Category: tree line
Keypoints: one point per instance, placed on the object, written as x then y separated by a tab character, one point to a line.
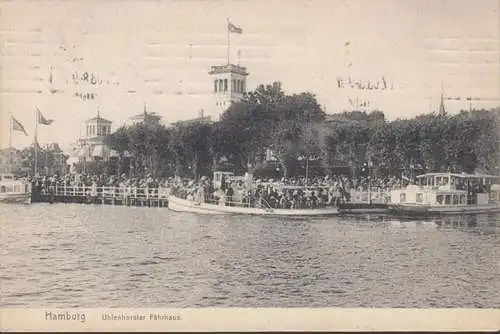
297	131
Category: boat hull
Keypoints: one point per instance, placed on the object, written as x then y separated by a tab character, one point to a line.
361	208
442	210
24	198
181	205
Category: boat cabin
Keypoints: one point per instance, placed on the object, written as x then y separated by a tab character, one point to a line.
438	189
220	177
8	184
6	177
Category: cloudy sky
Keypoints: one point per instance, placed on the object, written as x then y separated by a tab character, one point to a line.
159	53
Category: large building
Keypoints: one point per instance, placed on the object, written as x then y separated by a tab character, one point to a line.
229	85
93	145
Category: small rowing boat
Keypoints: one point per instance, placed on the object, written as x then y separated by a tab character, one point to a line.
183	205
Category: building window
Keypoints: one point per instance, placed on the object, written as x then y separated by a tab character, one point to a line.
220	85
215	86
420	197
233	85
238	86
402	198
225	85
242	86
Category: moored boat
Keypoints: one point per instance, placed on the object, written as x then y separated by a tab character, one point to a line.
14	191
183	205
361	202
448	194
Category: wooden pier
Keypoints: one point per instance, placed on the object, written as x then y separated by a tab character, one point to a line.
105	195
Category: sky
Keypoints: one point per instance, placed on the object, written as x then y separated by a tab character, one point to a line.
159	53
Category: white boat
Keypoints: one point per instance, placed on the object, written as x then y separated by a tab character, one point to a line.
448	193
182	205
14	191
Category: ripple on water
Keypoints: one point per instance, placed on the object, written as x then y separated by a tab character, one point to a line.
124	257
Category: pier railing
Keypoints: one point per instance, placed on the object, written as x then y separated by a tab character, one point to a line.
108	192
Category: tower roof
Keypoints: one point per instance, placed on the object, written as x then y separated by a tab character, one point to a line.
229	68
98	119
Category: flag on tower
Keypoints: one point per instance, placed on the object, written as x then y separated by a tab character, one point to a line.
234	29
42	119
17	126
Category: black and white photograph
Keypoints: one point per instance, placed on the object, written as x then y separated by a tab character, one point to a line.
249	154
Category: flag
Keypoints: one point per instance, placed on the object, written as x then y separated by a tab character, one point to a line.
234	29
42	119
17	126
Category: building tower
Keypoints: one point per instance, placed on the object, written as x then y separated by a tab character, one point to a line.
229	86
94	144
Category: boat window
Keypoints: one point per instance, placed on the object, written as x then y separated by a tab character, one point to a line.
402	197
463	199
2	189
442	181
455	199
420	197
439	199
447	199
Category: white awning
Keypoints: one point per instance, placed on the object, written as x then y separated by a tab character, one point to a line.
72	160
98	151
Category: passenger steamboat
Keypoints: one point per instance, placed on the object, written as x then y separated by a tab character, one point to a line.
448	193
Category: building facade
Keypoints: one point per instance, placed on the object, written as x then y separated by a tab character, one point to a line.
229	84
93	145
10	160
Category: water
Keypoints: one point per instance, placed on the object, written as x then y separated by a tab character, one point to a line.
88	256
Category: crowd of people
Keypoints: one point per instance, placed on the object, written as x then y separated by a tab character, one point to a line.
289	193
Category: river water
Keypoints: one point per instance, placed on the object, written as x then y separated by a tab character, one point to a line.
73	255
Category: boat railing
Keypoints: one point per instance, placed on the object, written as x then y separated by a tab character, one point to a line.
367	196
218	200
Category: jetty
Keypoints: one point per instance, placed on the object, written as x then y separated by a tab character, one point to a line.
105	195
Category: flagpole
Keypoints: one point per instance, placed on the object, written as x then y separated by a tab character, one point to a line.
11	124
35	144
228	42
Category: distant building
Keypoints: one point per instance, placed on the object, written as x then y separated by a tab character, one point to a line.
145	117
200	119
93	145
53	159
10	160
